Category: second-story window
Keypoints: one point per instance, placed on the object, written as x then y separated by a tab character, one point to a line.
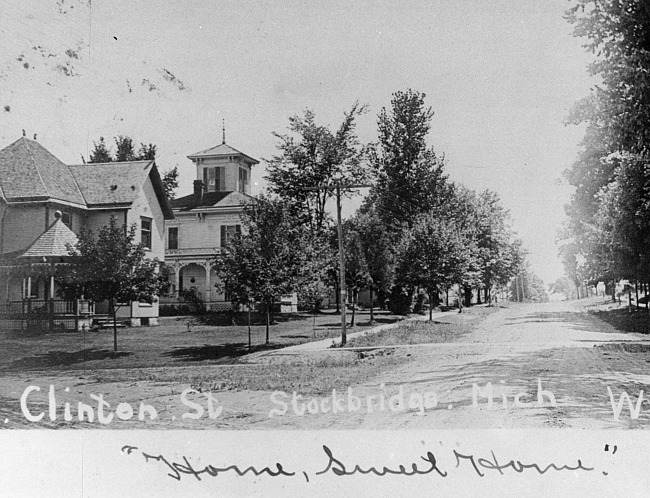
228	233
243	180
66	218
172	238
214	179
145	232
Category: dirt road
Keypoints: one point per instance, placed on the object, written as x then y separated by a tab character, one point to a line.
552	362
572	355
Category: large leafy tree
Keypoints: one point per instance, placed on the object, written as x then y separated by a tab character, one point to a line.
111	267
311	160
607	216
377	250
410	177
618	33
433	255
357	274
274	255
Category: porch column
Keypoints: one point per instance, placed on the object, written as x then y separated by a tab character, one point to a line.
208	288
177	279
29	287
52	287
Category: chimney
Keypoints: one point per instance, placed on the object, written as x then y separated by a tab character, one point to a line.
198	189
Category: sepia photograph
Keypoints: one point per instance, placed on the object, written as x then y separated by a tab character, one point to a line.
285	248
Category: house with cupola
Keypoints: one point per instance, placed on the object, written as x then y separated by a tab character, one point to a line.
204	221
44	204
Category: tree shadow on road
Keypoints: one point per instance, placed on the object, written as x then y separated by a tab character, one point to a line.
209	352
63	358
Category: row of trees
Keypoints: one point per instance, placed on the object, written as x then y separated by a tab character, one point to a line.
607	234
415	233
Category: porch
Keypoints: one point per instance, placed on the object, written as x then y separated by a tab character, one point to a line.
45	315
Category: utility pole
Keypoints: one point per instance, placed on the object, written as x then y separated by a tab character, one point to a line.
337	188
342	300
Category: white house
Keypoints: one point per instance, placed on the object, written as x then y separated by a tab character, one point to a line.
44	203
205	220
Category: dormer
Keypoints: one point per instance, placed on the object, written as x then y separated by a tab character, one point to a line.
224	169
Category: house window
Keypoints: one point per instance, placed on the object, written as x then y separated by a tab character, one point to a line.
172	238
243	180
228	233
145	232
214	179
66	218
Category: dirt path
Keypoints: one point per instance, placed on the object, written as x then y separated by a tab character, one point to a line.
574	356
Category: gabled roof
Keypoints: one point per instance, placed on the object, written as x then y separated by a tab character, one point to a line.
210	199
221	150
52	242
111	184
28	171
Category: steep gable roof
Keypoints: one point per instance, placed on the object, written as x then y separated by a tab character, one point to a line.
221	150
52	242
28	171
110	184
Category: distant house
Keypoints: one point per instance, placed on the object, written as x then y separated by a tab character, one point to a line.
44	203
205	220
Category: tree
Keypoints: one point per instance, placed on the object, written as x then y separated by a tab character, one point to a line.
377	249
528	287
274	255
357	275
170	182
125	151
618	33
100	153
312	160
608	214
433	254
111	267
409	175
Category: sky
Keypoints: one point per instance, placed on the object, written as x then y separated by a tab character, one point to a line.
500	75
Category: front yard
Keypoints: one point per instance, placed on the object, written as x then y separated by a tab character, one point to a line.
177	341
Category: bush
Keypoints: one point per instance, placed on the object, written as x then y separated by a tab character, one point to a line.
400	301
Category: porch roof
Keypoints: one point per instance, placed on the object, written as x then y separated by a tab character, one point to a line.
52	243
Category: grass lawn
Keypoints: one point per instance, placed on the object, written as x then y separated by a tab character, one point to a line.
178	341
424	332
618	315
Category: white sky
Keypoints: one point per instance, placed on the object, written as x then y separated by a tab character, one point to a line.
501	77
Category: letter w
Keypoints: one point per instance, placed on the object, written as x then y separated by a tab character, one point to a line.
618	408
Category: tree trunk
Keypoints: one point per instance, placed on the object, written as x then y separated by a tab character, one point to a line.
478	295
613	291
114	308
372	316
460	298
268	321
354	293
249	323
430	305
636	290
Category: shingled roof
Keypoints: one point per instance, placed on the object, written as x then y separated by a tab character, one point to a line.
110	184
52	243
210	199
29	172
221	150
